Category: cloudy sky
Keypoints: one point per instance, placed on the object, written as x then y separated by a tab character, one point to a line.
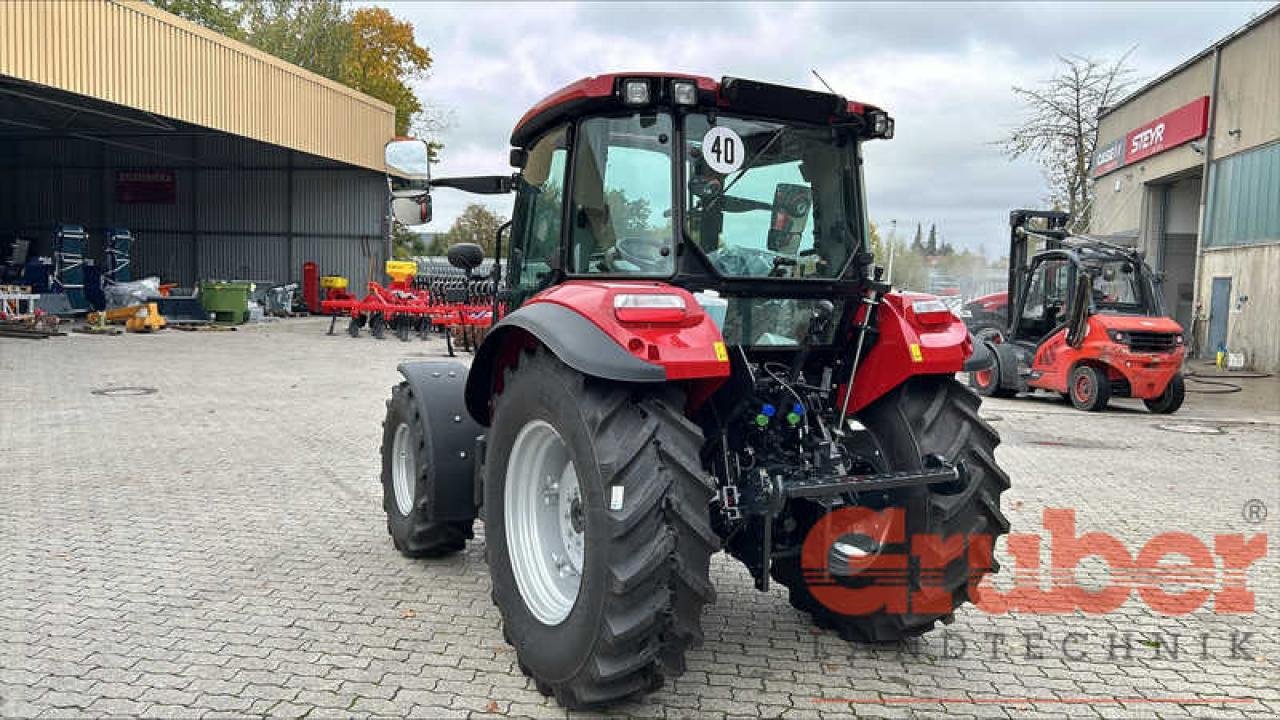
943	70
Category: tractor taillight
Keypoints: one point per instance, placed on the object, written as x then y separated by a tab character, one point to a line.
932	312
684	93
650	308
635	92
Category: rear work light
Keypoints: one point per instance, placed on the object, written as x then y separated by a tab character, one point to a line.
635	92
650	308
684	92
932	312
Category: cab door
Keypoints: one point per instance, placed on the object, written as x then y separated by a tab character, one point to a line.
537	228
1040	321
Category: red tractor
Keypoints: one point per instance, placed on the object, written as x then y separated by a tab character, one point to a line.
1088	322
695	353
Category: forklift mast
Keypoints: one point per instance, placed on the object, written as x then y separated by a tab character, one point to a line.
1053	230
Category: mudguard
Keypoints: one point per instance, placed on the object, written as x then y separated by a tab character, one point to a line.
906	347
575	321
450	434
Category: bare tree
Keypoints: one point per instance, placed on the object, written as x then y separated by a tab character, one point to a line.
1060	129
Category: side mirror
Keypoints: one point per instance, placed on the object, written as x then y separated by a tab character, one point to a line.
465	256
408	167
411	211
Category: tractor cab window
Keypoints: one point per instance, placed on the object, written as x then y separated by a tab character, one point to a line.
536	230
768	199
622	196
1045	304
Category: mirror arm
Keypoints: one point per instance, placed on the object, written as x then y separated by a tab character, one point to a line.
478	184
496	275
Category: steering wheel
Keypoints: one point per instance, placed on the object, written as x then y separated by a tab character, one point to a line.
636	254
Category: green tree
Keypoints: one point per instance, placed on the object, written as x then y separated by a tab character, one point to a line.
217	15
917	244
477	224
875	245
629	217
405	243
315	35
382	60
932	247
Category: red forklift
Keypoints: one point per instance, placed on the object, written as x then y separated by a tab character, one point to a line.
1086	321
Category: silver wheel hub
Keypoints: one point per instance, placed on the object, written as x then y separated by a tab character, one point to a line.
404	469
545	519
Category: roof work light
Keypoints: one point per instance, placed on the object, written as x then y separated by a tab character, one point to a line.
684	93
635	92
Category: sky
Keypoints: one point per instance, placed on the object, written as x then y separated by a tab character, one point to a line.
943	70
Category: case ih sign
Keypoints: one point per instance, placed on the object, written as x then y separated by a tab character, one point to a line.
1170	130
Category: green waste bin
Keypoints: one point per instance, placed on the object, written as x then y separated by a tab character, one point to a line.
227	301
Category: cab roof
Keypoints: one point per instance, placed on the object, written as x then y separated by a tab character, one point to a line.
602	91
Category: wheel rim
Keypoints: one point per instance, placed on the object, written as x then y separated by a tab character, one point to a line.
1083	388
544	516
403	467
982	377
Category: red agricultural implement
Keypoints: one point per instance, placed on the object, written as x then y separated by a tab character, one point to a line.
416	303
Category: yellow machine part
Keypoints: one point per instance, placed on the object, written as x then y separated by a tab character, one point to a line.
401	270
114	315
145	319
333	282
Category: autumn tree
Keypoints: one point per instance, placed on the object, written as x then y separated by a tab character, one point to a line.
383	59
1060	129
477	224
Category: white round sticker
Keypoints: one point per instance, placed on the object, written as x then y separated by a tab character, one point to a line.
722	149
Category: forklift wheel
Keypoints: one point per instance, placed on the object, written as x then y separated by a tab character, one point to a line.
1171	399
1089	388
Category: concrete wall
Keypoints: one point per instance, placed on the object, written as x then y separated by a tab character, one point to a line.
1253	327
1249	91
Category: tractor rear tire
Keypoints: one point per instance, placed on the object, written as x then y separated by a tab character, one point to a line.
408	507
643	538
1171	399
927	415
1089	388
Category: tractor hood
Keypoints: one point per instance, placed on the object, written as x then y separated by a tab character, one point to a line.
1138	323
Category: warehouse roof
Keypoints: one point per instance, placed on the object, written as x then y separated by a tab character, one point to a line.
136	56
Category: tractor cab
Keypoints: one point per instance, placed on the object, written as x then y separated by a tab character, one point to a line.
750	189
1086	321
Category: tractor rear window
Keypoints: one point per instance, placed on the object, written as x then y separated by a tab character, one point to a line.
768	199
622	196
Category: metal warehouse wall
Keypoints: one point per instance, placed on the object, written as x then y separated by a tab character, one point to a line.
250	217
134	55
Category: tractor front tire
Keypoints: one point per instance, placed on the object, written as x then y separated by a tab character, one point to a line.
1089	388
406	483
1171	399
598	536
927	415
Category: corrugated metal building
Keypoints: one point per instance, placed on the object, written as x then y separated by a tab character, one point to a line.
1188	167
224	162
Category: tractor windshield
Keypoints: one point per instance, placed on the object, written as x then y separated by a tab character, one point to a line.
766	199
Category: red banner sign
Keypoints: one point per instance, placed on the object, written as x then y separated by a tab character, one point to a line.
1168	131
146	187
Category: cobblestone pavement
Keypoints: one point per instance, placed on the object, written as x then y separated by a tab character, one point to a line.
217	547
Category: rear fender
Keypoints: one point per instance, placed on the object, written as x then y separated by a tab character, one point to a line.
450	436
905	348
576	322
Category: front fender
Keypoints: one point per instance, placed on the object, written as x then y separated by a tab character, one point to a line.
905	347
575	321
